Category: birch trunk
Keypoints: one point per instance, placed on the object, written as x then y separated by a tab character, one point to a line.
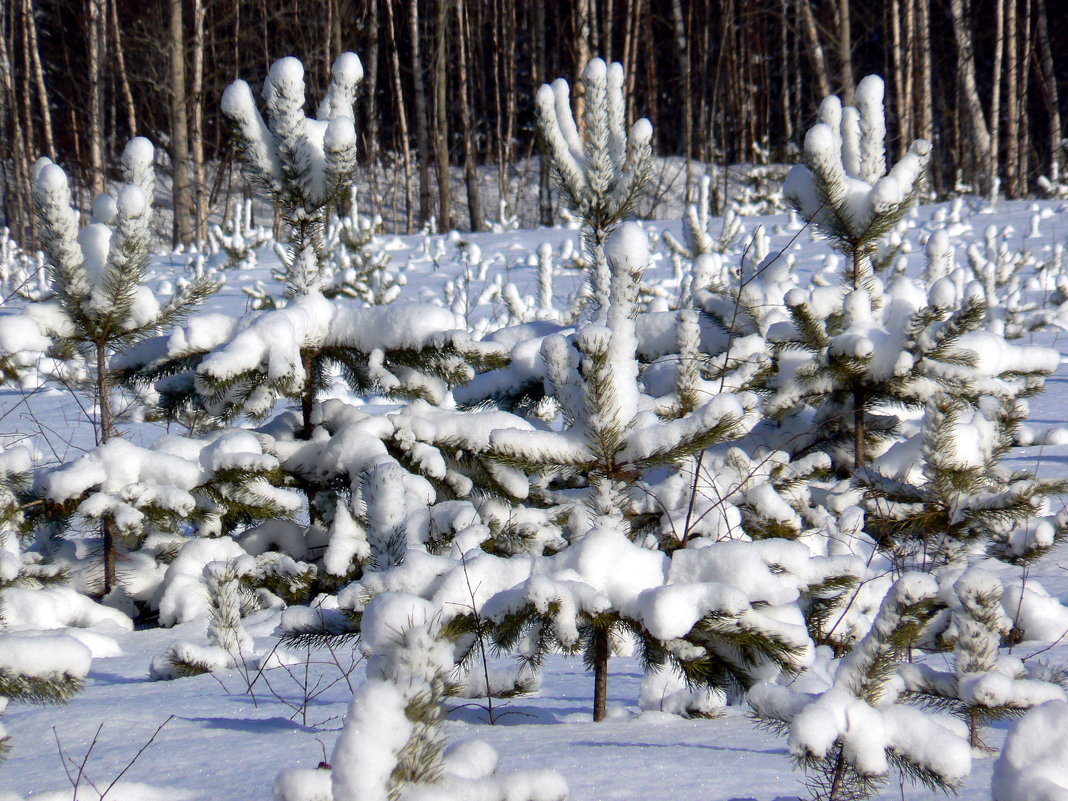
474	209
980	132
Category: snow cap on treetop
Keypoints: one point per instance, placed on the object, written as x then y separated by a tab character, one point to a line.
628	248
50	176
131	202
237	99
596	70
104	208
138	152
284	71
340	134
347	69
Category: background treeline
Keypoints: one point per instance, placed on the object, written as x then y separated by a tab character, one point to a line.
448	87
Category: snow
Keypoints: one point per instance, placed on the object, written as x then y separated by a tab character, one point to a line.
225	744
43	656
1034	764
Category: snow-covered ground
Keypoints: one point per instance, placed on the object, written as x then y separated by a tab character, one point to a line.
227	735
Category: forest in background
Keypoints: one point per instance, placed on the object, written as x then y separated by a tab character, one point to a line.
448	89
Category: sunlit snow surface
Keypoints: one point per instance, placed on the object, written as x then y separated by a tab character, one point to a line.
225	742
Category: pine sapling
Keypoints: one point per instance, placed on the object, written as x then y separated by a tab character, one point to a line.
848	737
98	278
981	688
846	191
600	172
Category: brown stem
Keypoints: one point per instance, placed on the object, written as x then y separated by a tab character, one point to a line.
858	391
307	398
858	426
600	673
839	774
103	435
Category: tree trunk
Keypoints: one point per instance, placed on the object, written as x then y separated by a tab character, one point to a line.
96	94
545	201
600	673
1023	170
441	120
120	65
196	134
16	196
845	51
182	232
582	56
422	125
38	77
897	60
630	52
510	89
103	396
470	168
908	103
371	77
1048	83
980	133
402	120
307	396
925	104
682	50
1012	102
815	49
995	94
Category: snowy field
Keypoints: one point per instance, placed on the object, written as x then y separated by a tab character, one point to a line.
227	735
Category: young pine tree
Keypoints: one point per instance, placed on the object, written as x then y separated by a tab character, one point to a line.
846	191
303	165
981	688
957	495
102	305
848	737
601	171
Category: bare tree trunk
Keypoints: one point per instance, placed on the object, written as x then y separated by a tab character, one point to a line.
38	77
1012	102
608	31
196	134
682	50
908	103
120	64
498	100
980	142
96	91
545	200
1023	170
402	120
600	674
845	51
17	205
1048	82
422	125
925	105
995	93
510	89
103	393
371	77
26	90
182	231
897	59
582	55
784	56
470	168
441	120
630	53
815	49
